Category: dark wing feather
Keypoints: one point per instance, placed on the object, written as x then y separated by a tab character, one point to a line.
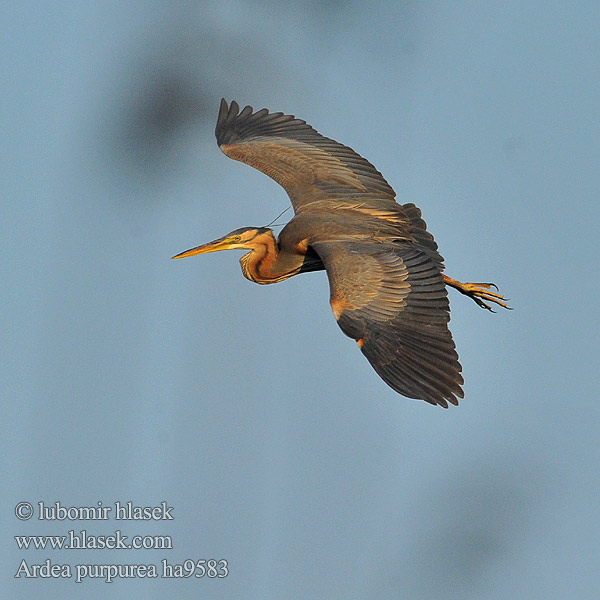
391	298
309	166
418	230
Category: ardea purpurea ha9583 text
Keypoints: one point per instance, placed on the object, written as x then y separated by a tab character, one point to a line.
388	289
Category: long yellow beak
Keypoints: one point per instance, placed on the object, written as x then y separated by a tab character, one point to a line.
221	244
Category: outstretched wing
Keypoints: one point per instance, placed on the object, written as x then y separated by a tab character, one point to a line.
309	166
392	300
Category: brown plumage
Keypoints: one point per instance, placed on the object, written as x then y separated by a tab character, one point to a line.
388	290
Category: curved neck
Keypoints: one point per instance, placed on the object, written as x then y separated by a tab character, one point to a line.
266	264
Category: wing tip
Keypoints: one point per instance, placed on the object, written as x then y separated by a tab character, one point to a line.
223	110
233	124
411	378
226	114
441	400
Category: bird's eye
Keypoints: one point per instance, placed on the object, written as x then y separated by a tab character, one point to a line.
236	238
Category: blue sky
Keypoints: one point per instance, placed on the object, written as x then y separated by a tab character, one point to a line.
127	376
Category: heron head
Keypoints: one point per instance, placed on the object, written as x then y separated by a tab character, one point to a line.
245	238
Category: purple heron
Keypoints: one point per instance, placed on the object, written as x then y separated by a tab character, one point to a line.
388	289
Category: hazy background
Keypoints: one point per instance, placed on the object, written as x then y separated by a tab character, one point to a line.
127	376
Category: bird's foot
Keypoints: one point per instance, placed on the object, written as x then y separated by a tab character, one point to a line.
479	292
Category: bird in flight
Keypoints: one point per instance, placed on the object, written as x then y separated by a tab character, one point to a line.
387	285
